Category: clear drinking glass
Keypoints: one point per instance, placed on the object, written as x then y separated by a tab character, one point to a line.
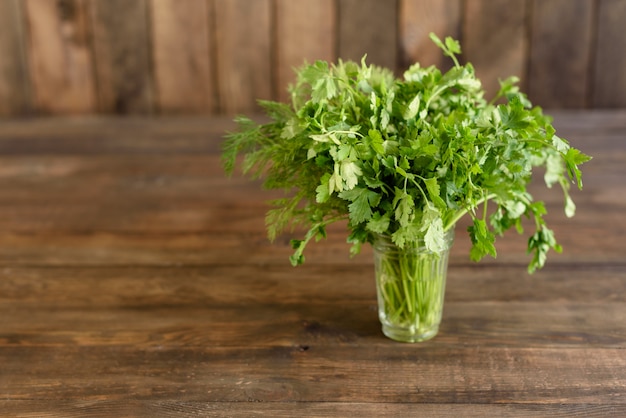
410	285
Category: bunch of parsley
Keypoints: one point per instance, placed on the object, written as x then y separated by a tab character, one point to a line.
405	157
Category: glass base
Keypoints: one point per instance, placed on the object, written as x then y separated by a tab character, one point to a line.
409	335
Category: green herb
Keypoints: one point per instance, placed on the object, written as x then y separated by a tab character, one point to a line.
405	157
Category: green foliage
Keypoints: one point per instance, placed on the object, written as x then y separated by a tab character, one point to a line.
407	157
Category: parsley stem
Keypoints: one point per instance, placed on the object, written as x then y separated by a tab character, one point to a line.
346	133
485	209
462	212
410	287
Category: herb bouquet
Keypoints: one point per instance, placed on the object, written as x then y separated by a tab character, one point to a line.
402	160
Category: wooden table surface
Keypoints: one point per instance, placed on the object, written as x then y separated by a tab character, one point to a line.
136	280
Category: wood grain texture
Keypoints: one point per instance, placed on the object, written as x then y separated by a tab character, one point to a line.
136	280
561	36
191	300
184	409
369	27
417	19
47	198
243	57
183	61
609	74
60	56
495	40
561	285
66	57
340	371
106	135
318	20
122	62
14	91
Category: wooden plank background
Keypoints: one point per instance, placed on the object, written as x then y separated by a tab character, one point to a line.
158	57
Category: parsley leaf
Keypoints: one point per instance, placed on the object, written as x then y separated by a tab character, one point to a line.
362	202
483	240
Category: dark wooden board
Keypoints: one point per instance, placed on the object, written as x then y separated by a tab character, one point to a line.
244	57
143	286
315	18
392	373
369	27
14	89
60	56
495	40
560	53
122	61
609	76
110	135
416	20
183	56
184	409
